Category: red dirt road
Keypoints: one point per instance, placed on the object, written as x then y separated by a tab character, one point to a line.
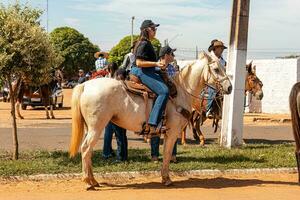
271	186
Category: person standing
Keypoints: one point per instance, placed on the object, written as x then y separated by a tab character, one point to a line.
120	133
129	60
166	55
82	77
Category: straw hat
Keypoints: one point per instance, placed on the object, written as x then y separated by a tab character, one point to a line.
216	43
97	54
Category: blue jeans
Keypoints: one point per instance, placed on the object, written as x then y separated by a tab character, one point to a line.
211	96
154	142
122	143
152	79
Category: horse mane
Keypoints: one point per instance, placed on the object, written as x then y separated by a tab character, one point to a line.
204	57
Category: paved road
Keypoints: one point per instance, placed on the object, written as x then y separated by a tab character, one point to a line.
57	137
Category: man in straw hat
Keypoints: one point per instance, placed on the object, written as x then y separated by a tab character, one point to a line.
101	62
216	49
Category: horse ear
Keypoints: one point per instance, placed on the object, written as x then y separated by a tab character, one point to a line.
254	69
249	67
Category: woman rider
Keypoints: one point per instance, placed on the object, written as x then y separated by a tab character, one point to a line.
147	71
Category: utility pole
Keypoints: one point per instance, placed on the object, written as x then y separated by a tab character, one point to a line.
233	107
47	17
166	42
132	18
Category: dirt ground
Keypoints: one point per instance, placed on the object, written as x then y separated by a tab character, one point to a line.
270	186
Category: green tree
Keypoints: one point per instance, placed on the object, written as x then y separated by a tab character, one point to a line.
25	51
118	52
77	51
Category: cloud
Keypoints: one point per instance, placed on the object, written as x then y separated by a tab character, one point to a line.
273	23
72	21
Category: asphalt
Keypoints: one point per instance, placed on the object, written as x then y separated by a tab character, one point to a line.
58	137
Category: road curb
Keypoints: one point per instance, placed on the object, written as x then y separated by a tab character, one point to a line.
132	175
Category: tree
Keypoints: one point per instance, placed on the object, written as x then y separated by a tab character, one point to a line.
77	51
118	52
25	51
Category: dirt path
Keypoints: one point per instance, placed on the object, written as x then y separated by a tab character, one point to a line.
271	186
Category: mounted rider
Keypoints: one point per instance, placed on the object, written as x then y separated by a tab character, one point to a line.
216	49
145	69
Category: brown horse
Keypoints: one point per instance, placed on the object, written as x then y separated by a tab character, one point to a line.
253	85
295	115
23	88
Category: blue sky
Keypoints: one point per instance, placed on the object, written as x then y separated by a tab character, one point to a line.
273	28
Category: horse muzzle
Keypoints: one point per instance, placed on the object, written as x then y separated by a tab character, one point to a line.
259	95
227	87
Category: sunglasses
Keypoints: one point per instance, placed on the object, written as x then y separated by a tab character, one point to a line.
153	28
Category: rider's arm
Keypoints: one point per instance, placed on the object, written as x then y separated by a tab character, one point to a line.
144	63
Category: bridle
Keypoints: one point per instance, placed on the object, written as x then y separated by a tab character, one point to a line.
256	82
210	74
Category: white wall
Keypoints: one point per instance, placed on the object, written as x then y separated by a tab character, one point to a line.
278	77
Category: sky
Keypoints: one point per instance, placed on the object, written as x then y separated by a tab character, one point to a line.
273	24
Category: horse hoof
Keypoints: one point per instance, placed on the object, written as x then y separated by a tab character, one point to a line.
167	182
21	117
97	185
90	188
53	117
47	117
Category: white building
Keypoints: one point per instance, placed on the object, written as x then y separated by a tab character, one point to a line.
278	77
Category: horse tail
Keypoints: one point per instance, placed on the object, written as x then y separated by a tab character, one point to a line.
77	120
295	112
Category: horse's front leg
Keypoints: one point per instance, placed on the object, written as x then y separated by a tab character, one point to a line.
169	142
183	136
18	110
199	132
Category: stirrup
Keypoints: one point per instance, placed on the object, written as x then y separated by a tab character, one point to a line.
162	128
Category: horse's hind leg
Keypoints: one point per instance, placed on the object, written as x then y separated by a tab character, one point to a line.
51	111
47	112
86	153
94	131
297	153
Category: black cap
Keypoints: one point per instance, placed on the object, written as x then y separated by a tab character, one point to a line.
148	23
166	50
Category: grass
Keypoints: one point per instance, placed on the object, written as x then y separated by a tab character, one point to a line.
189	157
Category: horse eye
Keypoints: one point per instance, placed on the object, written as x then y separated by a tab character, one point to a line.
217	70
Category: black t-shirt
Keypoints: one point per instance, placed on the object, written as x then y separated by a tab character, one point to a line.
145	51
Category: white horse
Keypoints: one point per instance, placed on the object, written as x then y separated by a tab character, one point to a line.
98	101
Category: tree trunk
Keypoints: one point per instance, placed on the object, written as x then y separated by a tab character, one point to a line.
13	117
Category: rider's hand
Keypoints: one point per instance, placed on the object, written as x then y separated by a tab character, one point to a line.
160	65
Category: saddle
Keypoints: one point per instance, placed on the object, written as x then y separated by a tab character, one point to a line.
99	74
135	86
